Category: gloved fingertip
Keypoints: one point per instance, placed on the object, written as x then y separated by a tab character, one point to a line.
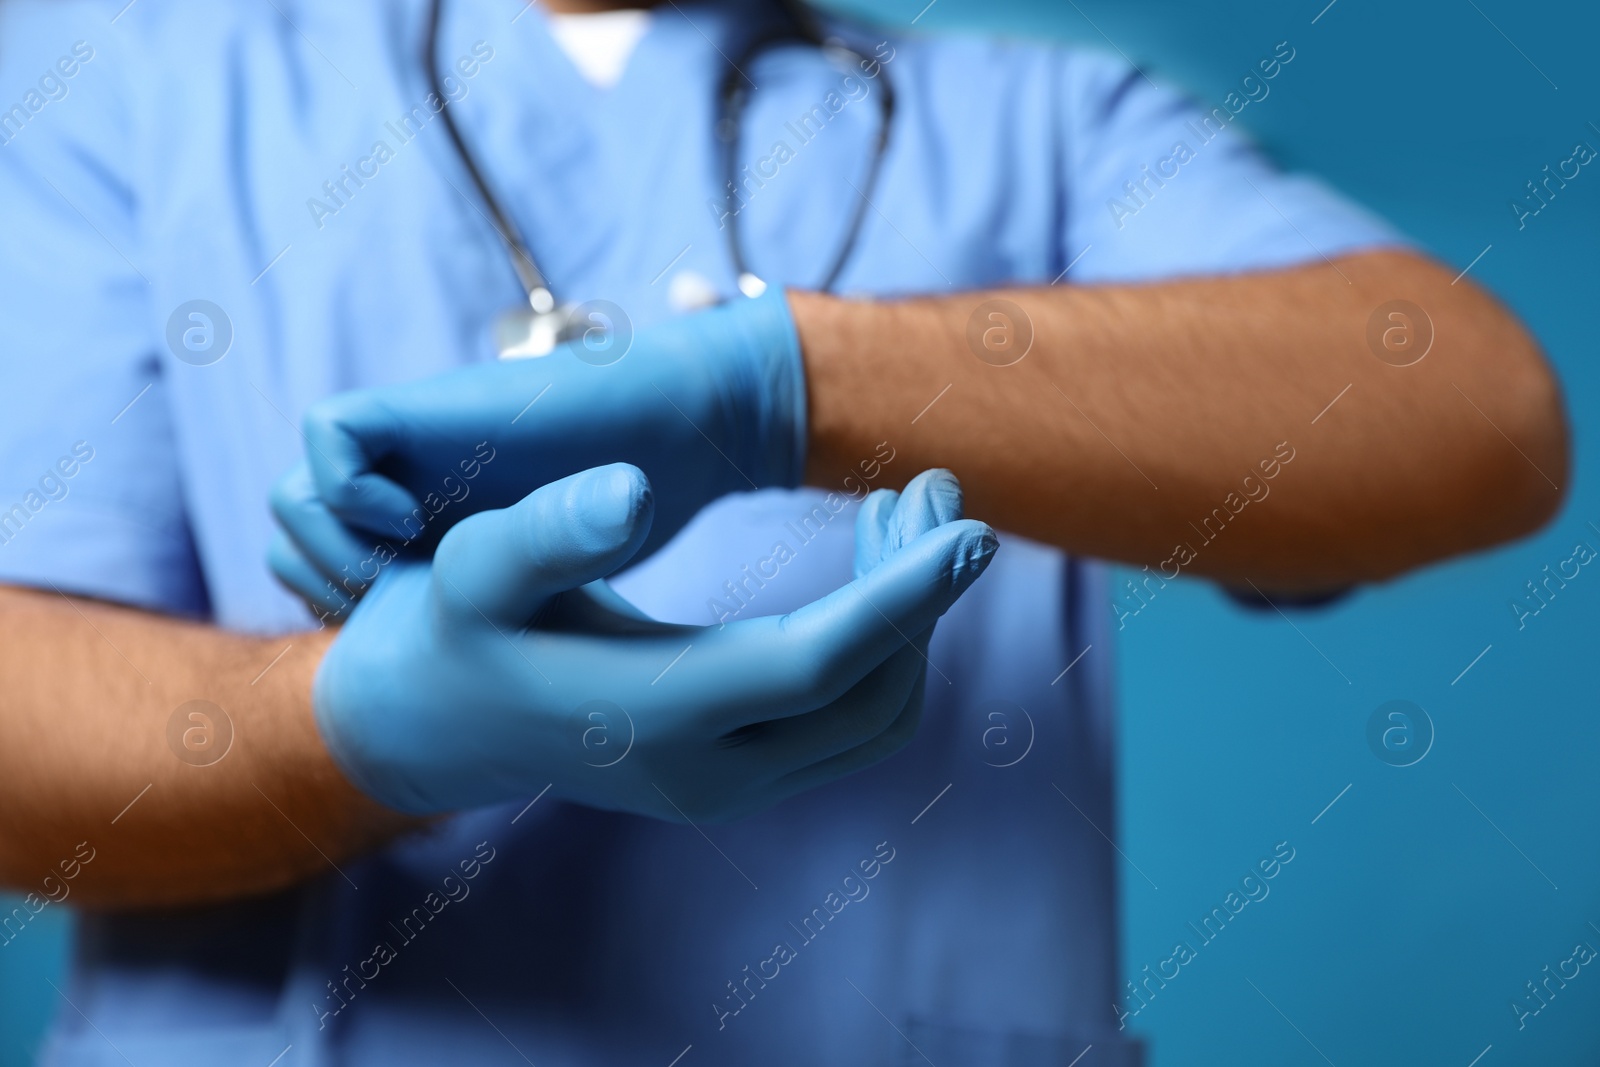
369	501
281	557
931	499
291	568
973	558
877	508
291	491
615	503
944	495
872	524
504	565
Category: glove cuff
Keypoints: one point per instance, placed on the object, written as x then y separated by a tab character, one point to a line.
773	439
388	788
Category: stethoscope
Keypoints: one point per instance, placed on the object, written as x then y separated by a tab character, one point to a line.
546	321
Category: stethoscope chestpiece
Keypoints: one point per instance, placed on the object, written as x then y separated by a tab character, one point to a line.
536	330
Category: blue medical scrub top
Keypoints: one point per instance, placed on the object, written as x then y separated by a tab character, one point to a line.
285	162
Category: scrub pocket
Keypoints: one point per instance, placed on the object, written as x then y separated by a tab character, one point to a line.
966	1046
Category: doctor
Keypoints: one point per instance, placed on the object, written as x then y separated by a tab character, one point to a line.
494	816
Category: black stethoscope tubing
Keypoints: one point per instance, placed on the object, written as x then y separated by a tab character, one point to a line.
734	93
732	96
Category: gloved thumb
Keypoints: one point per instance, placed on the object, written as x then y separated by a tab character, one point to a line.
502	566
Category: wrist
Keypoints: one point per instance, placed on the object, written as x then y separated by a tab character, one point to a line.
352	820
824	325
315	691
769	429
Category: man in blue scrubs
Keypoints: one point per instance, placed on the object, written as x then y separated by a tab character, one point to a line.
1129	337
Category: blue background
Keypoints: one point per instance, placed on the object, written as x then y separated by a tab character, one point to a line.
1419	903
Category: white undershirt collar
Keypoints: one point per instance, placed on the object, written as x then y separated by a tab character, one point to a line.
599	43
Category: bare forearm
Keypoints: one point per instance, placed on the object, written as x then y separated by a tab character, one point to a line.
97	746
1139	411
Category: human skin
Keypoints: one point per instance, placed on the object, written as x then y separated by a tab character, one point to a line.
1139	408
90	689
1135	412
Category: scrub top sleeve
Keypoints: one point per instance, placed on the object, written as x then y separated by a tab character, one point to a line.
90	496
1162	186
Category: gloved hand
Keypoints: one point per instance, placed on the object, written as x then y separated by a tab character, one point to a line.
708	404
505	664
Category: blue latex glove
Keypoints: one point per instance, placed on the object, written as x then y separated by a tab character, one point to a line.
707	404
505	664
